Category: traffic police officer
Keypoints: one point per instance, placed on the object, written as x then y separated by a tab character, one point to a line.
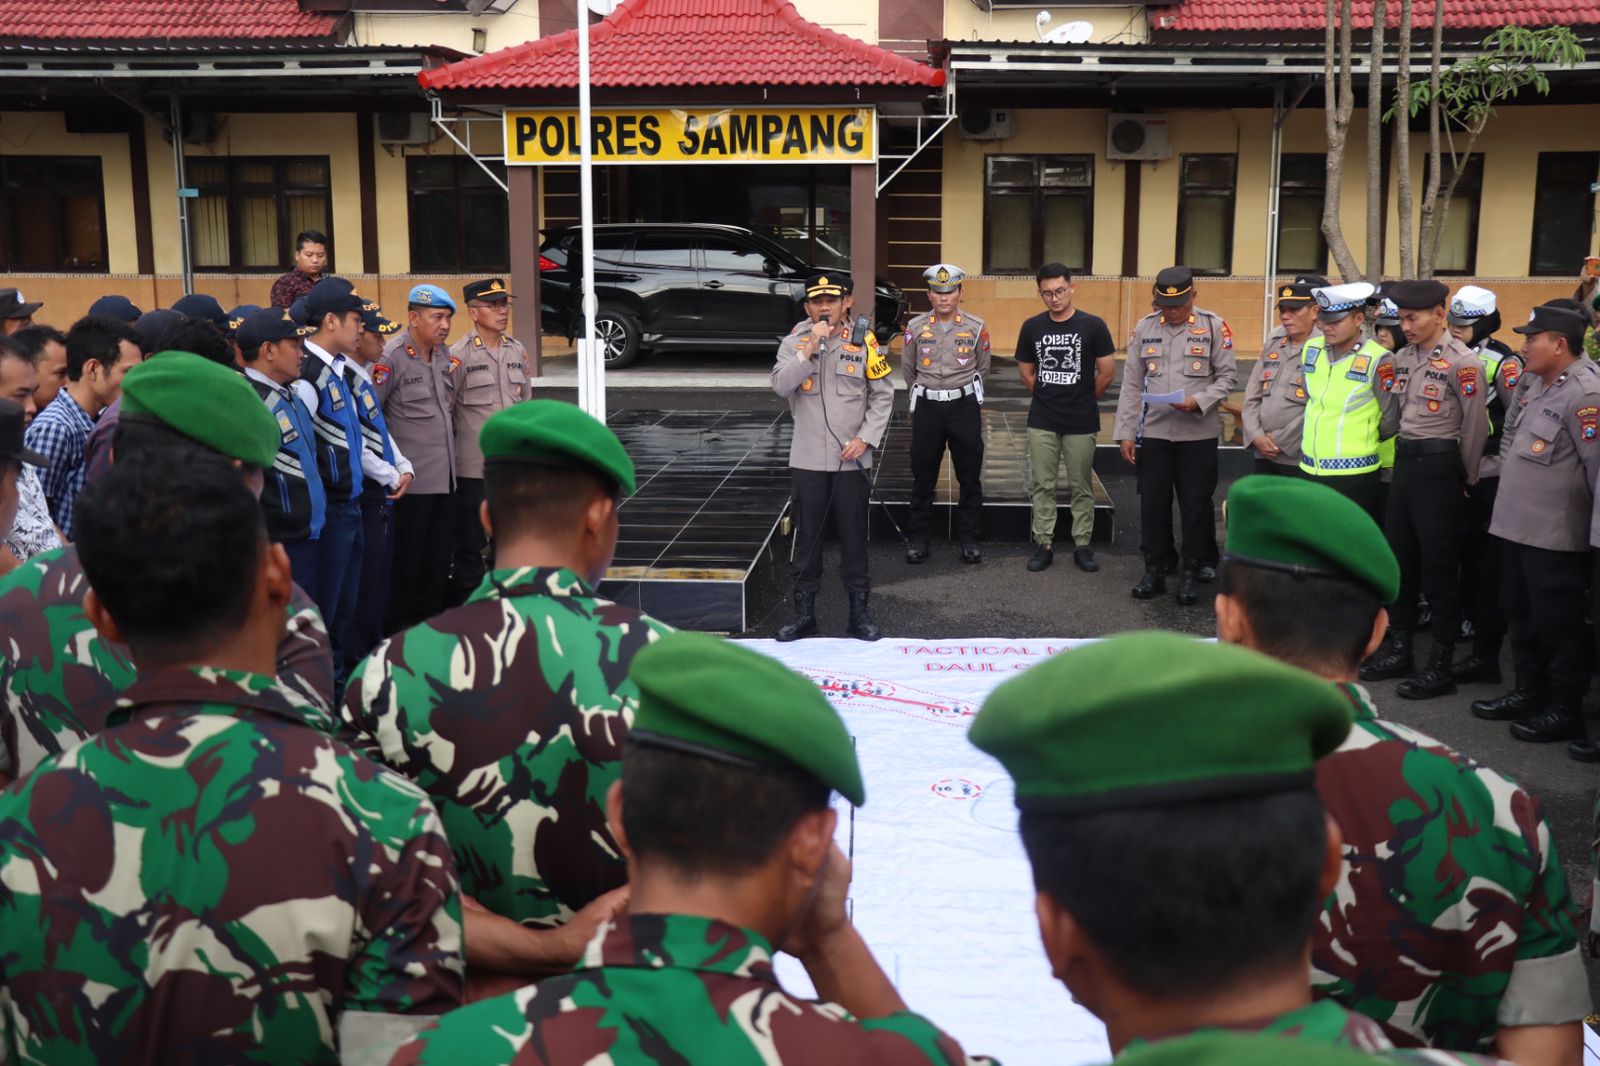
1180	367
1275	396
839	392
1433	398
1473	320
1340	446
492	375
1550	456
415	380
946	358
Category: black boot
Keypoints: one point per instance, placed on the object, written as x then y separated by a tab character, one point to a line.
1392	659
862	627
1435	679
1482	666
1521	702
1563	721
1584	751
1187	593
804	623
917	551
1154	583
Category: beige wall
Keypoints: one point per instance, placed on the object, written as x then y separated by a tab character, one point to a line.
853	18
450	29
964	21
45	133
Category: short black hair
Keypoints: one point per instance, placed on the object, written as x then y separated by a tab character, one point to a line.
10	349
1333	637
702	817
198	336
1187	899
170	543
34	338
1053	270
310	236
536	498
97	337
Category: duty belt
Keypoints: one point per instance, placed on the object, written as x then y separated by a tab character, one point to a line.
944	395
1428	446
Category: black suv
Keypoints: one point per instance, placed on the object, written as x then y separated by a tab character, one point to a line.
684	286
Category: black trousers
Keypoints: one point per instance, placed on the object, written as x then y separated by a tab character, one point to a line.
1425	525
1189	469
1272	469
957	424
1482	564
423	541
377	564
467	567
1366	490
842	497
1546	596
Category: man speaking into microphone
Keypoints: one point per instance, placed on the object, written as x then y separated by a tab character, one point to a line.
837	383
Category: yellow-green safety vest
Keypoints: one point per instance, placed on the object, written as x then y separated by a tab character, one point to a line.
1342	410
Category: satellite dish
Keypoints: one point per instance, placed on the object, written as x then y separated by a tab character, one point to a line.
1070	33
603	7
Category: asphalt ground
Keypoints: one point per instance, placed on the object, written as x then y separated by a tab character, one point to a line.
999	598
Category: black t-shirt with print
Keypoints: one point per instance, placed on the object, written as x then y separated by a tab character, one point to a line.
1065	352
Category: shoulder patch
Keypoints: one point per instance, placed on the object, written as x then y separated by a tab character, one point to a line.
380	374
1467	376
455	363
1386	375
877	366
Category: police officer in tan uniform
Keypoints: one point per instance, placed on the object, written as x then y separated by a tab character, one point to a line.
415	382
1275	396
491	374
946	359
1549	460
839	391
1433	398
1180	367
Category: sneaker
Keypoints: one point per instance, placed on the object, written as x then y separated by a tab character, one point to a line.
1083	558
1042	556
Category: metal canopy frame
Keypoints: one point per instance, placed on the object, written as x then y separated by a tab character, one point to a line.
459	126
929	129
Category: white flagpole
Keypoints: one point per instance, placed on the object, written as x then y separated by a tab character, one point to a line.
591	364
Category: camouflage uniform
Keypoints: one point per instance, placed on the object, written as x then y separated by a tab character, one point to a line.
59	679
211	878
1452	916
673	989
511	711
1329	1023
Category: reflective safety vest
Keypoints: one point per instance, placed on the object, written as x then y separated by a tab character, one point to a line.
1342	410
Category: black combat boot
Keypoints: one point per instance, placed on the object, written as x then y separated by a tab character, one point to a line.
1521	702
1435	679
862	627
1392	659
1562	721
804	623
1154	583
1483	665
917	551
1187	593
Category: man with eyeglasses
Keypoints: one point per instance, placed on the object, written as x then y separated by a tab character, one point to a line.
1065	357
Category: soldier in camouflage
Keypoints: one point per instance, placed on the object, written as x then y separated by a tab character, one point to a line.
725	817
211	877
1451	922
1179	846
59	678
511	710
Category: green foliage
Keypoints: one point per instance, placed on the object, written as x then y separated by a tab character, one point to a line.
1470	88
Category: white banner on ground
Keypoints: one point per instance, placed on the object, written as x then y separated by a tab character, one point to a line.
942	890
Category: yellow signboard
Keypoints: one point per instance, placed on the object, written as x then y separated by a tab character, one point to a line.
696	135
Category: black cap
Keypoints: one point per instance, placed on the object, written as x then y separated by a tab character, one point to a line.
331	296
199	305
829	283
1174	286
237	315
298	312
1311	281
118	307
1296	294
14	305
152	325
1418	294
11	447
1562	320
267	326
373	319
489	290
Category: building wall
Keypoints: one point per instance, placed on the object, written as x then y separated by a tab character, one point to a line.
853	18
1113	24
45	133
450	29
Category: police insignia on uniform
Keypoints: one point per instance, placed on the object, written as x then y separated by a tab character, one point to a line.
1539	445
926	361
1360	363
1468	377
1273	355
1386	376
1152	366
942	277
412	352
1151	349
1589	422
805	386
477	341
455	363
1197	364
380	374
1513	374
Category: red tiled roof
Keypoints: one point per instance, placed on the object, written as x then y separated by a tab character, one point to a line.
674	43
1221	16
161	20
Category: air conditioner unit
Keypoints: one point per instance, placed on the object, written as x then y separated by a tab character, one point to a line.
199	127
986	125
405	127
1137	137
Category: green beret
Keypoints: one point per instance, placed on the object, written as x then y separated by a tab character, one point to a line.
1148	719
714	698
557	433
1302	527
204	401
1241	1049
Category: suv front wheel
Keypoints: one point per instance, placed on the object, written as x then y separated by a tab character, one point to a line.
618	335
